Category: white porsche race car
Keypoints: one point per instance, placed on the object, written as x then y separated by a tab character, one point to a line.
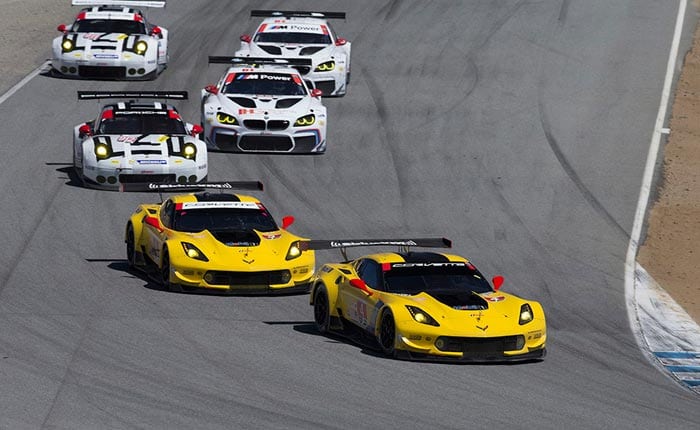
263	105
111	40
138	141
303	34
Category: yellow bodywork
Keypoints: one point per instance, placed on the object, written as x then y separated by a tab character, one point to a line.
261	268
460	334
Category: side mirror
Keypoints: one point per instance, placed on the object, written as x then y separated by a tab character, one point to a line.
196	129
287	221
153	222
62	28
156	31
211	89
85	130
360	285
246	38
316	93
340	41
497	282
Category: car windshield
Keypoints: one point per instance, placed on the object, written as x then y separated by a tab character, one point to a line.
223	219
290	37
414	278
276	84
109	26
142	124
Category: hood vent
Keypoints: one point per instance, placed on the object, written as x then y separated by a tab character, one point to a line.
310	50
243	101
286	103
237	237
461	300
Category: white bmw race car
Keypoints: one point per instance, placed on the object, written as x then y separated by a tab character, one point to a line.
138	141
263	105
111	40
303	34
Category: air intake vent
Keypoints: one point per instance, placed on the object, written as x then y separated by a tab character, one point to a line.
243	101
310	50
286	103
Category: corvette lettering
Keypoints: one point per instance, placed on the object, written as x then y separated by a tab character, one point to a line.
450	264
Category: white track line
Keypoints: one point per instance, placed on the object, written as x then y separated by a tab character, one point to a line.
640	322
23	82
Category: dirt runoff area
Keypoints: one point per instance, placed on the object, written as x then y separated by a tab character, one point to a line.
671	250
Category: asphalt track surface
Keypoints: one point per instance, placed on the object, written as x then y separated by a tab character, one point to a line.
517	129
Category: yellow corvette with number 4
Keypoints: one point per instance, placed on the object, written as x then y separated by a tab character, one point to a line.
424	305
216	241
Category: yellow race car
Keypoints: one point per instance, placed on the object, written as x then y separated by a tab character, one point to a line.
424	305
216	241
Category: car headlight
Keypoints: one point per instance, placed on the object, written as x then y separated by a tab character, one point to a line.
67	45
525	314
225	118
189	151
325	67
419	315
305	120
102	151
193	252
141	47
294	251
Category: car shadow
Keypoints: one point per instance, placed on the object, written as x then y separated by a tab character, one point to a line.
69	171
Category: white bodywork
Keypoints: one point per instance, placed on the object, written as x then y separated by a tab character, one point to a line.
265	121
105	42
289	37
138	157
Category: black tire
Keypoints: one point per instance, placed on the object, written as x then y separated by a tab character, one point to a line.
165	271
322	315
130	246
387	334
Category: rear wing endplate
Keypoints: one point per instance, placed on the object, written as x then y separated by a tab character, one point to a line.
95	95
253	61
403	244
296	13
175	187
128	3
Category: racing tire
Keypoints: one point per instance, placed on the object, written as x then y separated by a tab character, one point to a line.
165	271
322	314
130	246
387	334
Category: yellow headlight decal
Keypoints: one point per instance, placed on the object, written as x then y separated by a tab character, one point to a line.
325	67
305	120
225	118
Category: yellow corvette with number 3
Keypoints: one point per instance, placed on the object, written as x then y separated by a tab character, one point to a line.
424	305
216	241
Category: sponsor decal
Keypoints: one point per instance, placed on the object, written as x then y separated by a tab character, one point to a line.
91	36
341	244
246	111
206	205
272	236
495	298
446	264
202	167
482	328
152	162
106	56
127	138
262	76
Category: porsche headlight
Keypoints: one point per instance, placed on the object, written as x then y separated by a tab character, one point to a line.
305	120
419	315
102	151
525	314
193	252
294	251
141	47
67	45
225	118
189	151
325	67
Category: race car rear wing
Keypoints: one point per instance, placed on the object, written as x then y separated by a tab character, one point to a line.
175	187
128	3
403	244
95	95
296	13
253	61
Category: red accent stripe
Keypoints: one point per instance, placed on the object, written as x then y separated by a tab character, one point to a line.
262	28
108	114
324	29
178	206
386	267
229	78
80	16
